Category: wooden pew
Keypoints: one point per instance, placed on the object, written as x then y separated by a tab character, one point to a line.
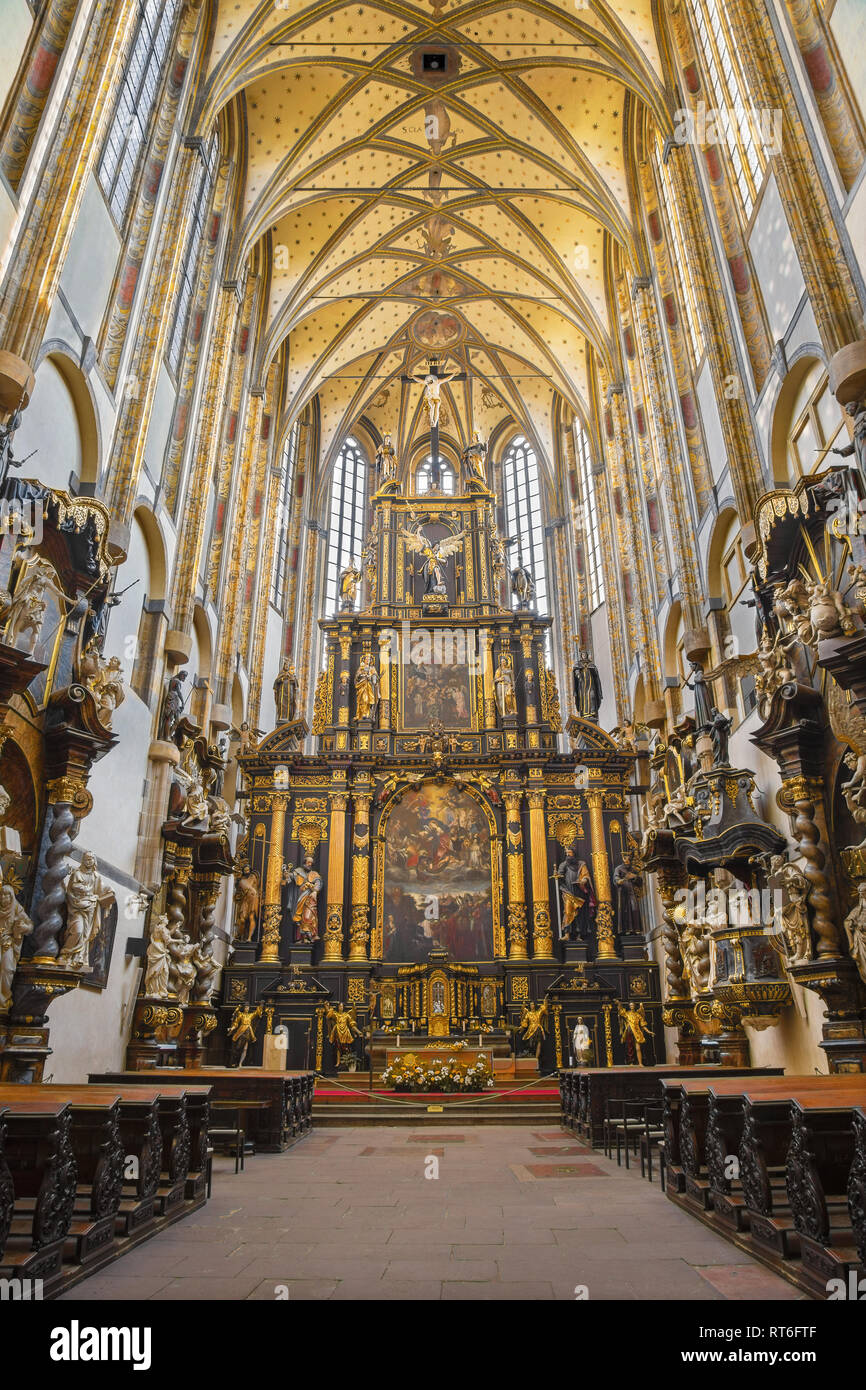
817	1172
140	1156
671	1097
274	1128
857	1182
7	1191
711	1124
44	1174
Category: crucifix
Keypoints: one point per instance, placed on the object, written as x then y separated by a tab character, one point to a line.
433	384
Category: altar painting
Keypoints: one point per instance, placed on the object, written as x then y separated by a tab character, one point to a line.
437	692
437	889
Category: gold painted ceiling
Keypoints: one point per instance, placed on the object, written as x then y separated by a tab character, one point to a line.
405	214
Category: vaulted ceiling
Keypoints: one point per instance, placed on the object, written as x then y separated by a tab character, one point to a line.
467	215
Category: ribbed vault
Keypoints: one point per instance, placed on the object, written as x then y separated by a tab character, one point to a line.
469	215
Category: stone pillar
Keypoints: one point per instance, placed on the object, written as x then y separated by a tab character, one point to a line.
809	206
516	887
829	89
359	930
542	937
336	865
270	952
601	878
162	758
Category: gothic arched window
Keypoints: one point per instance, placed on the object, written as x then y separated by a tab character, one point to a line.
523	513
589	519
447	479
204	181
127	134
347	517
735	120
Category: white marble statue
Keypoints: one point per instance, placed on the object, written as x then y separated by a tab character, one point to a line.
158	960
87	897
14	926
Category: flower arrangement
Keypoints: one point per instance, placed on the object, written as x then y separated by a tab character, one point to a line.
448	1075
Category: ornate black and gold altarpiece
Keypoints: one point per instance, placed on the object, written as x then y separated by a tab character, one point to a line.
435	811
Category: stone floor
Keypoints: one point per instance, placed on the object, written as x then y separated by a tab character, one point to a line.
514	1213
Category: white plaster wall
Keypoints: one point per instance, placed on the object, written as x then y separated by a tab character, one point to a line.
17	23
89	1028
777	269
273	655
601	655
856	219
848	26
717	454
160	423
91	261
50	425
8	212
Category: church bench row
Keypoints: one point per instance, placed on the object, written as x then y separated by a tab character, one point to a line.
87	1172
287	1117
585	1093
778	1166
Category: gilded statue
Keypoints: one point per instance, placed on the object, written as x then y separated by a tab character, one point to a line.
87	898
386	460
343	1028
578	896
503	684
104	679
247	902
793	916
474	456
242	1031
633	1020
855	930
775	670
158	960
308	885
181	971
14	926
533	1024
366	687
433	553
694	949
286	688
350	578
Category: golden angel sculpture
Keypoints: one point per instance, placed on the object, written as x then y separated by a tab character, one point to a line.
434	555
343	1029
633	1020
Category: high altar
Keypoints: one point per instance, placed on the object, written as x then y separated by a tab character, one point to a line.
408	868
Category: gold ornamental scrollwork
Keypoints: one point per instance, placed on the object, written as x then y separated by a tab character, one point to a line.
71	791
794	789
310	831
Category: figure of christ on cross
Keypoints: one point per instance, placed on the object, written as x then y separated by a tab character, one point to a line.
433	384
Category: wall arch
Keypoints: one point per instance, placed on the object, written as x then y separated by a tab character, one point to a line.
61	423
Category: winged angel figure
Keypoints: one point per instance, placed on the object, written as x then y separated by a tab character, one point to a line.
433	553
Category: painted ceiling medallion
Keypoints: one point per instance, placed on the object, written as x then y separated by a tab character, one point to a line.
435	332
